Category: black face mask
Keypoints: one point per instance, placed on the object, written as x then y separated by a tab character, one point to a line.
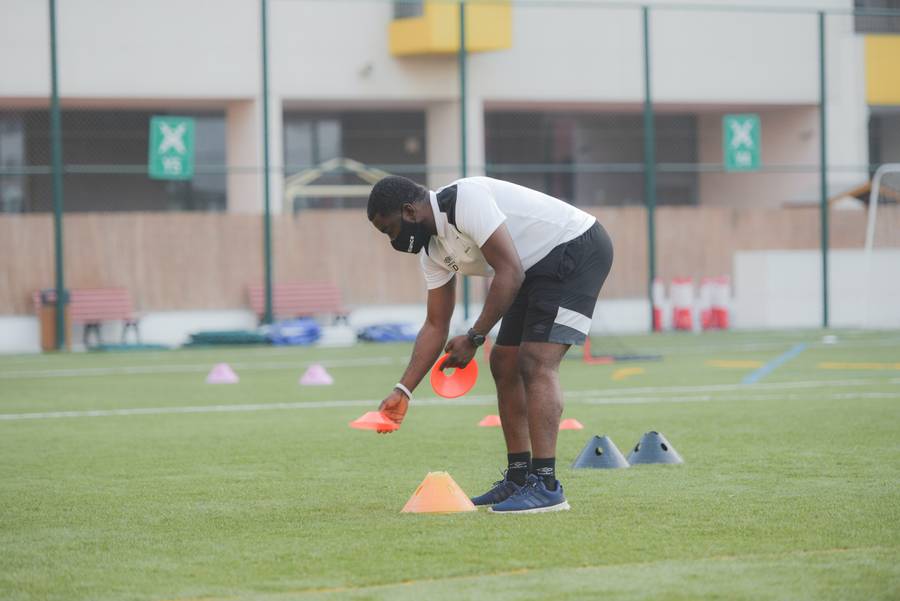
412	237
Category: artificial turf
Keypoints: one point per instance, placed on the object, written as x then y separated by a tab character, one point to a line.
789	488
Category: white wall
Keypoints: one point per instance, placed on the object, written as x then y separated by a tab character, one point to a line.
783	289
338	50
19	334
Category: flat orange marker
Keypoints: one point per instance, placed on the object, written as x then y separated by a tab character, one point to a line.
735	364
626	372
456	384
848	366
438	493
570	424
375	420
490	421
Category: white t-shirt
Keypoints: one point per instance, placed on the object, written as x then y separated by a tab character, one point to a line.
469	210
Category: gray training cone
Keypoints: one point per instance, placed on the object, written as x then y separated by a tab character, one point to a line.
600	452
654	448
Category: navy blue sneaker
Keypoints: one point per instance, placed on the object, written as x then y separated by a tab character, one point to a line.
534	497
500	491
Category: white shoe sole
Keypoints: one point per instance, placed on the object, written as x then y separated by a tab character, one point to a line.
564	506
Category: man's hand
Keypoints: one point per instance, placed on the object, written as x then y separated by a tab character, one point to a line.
461	351
394	407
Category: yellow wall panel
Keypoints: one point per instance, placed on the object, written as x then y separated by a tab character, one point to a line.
883	69
488	27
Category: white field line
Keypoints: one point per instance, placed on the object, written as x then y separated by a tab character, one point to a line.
192	368
587	397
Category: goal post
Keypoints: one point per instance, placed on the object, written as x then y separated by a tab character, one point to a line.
890	173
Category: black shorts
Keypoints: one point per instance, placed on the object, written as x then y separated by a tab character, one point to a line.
557	299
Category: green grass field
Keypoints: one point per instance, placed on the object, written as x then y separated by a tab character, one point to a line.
789	490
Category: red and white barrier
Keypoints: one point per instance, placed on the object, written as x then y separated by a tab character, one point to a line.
704	303
658	294
682	291
721	299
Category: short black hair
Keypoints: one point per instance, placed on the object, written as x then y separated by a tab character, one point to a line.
391	193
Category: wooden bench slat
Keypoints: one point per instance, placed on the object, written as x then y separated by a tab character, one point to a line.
91	305
299	299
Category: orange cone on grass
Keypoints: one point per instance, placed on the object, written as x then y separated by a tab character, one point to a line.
438	493
490	421
570	424
375	420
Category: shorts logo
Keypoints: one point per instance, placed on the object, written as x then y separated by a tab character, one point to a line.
449	262
539	328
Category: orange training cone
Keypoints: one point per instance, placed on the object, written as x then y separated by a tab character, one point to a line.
375	420
490	421
438	493
570	424
459	383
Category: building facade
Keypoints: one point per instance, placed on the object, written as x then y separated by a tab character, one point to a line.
554	98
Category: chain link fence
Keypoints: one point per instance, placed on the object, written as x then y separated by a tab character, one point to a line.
162	134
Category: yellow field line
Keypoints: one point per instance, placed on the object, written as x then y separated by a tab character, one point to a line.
872	366
735	364
626	372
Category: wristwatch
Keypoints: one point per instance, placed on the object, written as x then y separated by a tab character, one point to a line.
475	338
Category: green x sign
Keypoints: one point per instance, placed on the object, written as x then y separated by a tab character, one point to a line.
171	148
740	142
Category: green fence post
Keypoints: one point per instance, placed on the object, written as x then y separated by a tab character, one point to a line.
823	169
56	157
267	213
463	135
649	165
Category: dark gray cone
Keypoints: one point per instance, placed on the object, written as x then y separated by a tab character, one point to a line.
654	448
600	452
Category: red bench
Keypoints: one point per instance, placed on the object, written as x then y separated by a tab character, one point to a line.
93	306
299	299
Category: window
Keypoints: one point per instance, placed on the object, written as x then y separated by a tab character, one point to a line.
877	23
391	141
884	136
105	157
590	158
12	163
408	9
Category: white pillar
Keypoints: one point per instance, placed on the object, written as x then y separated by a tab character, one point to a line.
244	185
243	120
442	124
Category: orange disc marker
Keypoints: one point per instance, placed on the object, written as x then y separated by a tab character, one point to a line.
570	424
438	493
375	420
490	421
456	384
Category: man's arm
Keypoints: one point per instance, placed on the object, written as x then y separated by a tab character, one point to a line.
500	253
430	340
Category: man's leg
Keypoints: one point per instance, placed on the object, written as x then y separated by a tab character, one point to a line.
511	398
539	366
511	404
